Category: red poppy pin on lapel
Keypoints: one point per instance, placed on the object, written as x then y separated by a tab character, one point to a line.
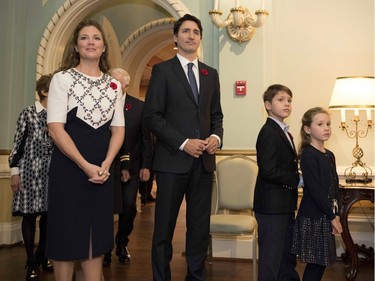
204	71
128	106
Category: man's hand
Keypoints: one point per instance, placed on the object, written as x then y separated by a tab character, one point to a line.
144	174
125	175
195	147
213	145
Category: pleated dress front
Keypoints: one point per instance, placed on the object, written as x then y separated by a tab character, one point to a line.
81	212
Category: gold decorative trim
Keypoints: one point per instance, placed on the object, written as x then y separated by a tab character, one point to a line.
5	151
228	152
240	23
345	77
351	106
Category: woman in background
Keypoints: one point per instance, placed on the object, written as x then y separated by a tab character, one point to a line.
86	122
29	161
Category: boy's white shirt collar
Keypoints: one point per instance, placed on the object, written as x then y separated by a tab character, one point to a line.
284	126
39	107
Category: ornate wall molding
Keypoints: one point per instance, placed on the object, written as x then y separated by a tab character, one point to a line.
65	19
5	151
142	45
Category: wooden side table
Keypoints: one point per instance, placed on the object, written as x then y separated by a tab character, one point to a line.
350	194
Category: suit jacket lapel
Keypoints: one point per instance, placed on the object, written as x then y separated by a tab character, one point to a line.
202	83
291	139
282	135
180	73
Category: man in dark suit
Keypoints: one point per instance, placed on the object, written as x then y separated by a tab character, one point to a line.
135	161
276	189
186	120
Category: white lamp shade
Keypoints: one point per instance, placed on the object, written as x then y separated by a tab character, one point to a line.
357	92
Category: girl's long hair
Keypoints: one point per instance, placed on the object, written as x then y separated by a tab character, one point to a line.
306	121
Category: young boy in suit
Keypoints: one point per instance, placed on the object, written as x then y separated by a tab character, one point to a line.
276	189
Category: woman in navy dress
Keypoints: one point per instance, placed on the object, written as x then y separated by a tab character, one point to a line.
86	122
318	215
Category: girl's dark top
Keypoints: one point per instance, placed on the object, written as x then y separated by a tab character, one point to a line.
319	174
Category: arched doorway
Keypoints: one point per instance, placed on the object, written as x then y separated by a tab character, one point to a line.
150	44
135	53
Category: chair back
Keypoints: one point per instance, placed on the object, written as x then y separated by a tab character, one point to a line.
235	181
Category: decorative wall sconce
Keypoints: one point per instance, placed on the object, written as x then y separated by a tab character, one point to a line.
239	23
355	93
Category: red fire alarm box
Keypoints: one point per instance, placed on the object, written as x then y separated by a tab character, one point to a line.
240	87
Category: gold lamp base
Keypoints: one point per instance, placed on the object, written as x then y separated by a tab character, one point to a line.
350	174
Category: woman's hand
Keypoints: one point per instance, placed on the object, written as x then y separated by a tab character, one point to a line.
16	183
96	174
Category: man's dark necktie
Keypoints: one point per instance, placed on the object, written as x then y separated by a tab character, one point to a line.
193	82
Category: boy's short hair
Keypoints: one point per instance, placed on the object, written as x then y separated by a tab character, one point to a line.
272	90
43	85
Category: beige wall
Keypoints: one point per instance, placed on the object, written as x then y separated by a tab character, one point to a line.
305	45
5	200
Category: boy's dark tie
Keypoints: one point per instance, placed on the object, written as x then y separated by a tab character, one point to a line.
291	136
291	139
192	81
